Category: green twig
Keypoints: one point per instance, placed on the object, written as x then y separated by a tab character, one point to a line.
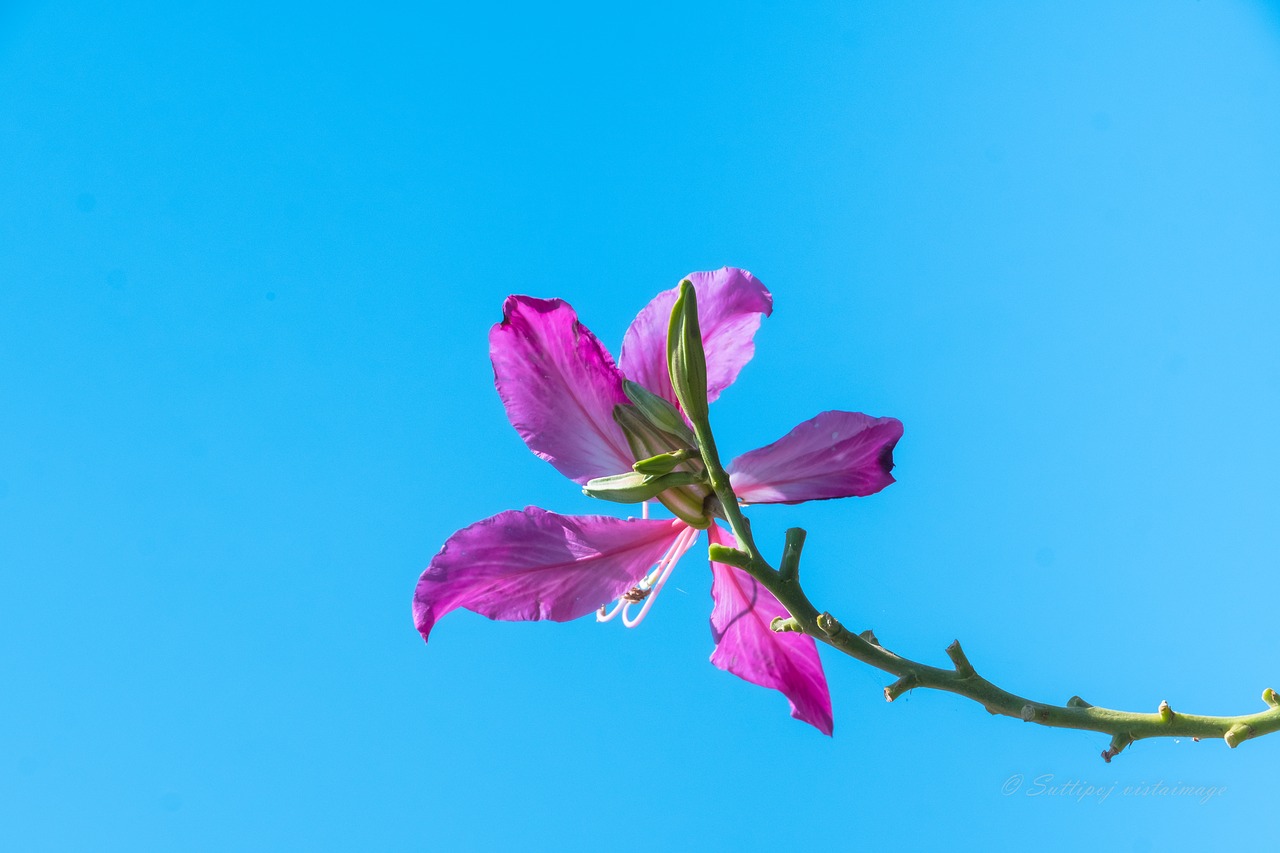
962	679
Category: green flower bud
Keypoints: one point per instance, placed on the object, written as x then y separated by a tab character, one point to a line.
658	411
663	462
685	357
645	437
634	487
649	442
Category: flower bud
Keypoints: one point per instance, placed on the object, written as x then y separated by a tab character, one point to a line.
655	448
634	487
663	463
658	411
645	437
685	357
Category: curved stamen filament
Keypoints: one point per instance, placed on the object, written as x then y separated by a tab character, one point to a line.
657	579
639	592
604	614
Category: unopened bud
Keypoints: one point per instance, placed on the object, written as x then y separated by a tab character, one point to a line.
634	487
663	463
658	411
646	438
648	441
685	357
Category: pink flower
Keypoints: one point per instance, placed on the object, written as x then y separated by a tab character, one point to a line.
560	388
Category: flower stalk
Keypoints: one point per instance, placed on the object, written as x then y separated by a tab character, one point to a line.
961	678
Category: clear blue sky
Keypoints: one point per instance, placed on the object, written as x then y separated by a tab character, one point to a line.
249	258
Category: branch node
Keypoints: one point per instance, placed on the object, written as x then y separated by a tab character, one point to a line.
782	626
964	669
870	637
1166	713
1118	743
1269	696
828	625
1077	702
902	685
1237	734
1033	713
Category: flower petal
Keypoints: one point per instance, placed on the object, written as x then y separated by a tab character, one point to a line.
559	386
534	564
730	304
747	647
833	455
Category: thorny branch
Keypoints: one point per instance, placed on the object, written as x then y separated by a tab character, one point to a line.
961	678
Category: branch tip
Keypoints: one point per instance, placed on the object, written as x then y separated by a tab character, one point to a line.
964	669
728	556
789	565
902	685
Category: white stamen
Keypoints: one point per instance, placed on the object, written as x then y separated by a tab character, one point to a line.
659	576
644	509
602	616
648	601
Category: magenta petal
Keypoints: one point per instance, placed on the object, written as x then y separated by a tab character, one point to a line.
730	305
533	564
834	455
559	385
750	649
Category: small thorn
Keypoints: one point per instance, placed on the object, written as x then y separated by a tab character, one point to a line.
789	624
1118	743
902	685
1237	734
870	637
964	669
1077	702
1269	696
1166	713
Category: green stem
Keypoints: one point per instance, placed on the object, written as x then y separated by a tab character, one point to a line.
961	679
719	480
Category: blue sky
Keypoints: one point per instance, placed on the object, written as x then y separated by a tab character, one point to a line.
250	260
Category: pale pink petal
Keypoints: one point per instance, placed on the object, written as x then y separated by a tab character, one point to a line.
730	305
834	455
559	385
534	564
750	649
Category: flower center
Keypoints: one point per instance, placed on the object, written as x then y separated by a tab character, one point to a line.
646	592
